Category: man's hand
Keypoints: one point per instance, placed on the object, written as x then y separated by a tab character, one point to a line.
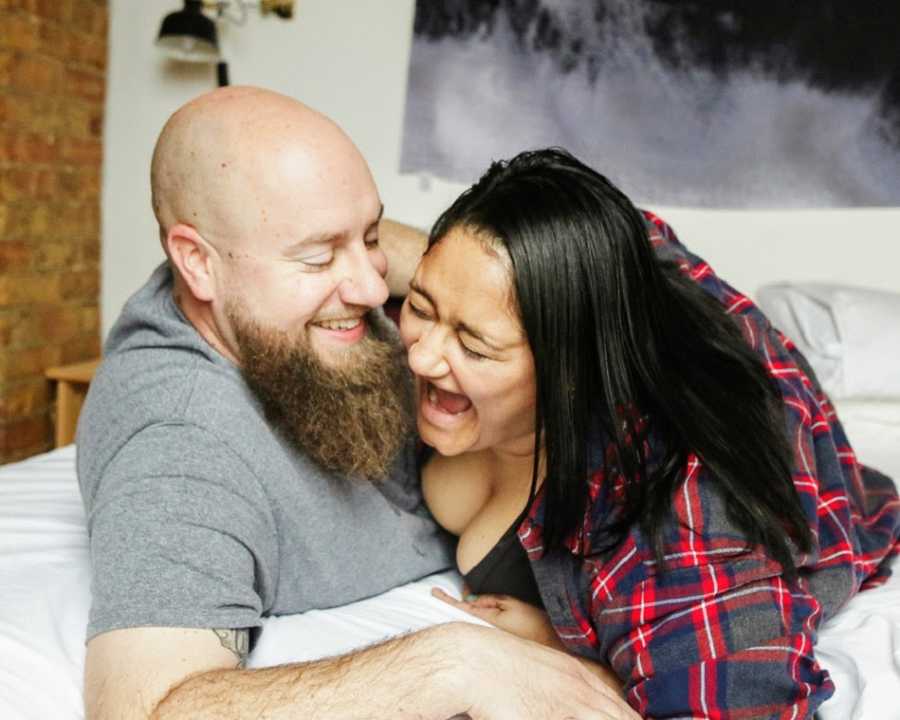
516	679
526	621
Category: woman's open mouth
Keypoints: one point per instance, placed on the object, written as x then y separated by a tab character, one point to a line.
442	407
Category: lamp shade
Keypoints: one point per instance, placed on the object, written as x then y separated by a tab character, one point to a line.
189	35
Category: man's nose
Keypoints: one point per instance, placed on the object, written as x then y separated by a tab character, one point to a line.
362	283
426	354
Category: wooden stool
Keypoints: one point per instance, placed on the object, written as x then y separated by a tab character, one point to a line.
72	383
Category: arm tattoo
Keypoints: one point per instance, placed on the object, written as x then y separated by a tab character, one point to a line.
237	640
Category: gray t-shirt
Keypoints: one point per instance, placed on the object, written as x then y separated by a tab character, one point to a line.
201	515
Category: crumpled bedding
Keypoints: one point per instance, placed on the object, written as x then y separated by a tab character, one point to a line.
45	581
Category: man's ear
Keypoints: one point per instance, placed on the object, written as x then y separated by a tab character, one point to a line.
192	256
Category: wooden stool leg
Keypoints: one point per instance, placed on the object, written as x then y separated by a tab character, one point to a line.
66	413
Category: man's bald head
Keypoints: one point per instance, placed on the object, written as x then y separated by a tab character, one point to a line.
269	217
265	204
227	160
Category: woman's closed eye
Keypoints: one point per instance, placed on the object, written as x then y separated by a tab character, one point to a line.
472	354
418	312
423	314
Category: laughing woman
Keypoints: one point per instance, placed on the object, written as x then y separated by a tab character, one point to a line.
639	467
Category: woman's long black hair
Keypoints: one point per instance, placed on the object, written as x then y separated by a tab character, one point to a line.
612	330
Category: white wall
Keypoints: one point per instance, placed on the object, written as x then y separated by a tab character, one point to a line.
348	58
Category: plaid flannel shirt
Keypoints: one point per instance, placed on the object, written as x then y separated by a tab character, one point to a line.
720	633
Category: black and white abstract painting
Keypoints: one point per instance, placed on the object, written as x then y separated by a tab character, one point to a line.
722	103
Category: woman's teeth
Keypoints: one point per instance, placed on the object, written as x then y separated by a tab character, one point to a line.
446	401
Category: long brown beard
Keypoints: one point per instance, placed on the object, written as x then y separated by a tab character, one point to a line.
352	418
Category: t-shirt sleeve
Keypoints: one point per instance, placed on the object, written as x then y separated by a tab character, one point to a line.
181	535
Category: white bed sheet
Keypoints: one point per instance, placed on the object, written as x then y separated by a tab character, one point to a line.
45	577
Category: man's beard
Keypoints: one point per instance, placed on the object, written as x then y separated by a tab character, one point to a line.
352	417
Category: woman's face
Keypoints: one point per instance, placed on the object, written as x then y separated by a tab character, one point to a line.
475	384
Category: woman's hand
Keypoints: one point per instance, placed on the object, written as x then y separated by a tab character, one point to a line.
524	620
508	613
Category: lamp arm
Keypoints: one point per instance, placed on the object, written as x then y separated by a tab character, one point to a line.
282	8
222	8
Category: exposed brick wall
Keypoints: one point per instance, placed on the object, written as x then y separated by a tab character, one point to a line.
52	84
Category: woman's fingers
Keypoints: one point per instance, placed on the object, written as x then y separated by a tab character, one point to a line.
488	613
489	601
446	597
471	600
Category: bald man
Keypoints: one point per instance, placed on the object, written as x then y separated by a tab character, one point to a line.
245	449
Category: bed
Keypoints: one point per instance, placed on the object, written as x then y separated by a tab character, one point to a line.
45	570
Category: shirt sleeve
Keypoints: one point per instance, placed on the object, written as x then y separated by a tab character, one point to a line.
180	536
718	633
729	640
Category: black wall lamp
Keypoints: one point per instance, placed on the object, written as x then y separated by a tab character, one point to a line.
190	34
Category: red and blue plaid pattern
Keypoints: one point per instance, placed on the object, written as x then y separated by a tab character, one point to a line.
720	633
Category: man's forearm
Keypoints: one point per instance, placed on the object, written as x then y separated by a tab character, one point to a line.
403	245
408	677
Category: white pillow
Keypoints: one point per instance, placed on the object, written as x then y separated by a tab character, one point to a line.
850	336
873	429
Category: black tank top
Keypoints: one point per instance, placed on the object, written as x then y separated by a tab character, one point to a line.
506	570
